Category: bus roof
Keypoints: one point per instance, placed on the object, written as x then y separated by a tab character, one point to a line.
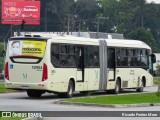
110	42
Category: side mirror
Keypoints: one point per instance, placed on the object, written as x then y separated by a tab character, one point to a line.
153	58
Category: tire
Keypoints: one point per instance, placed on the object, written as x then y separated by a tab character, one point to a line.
140	89
69	92
34	93
117	87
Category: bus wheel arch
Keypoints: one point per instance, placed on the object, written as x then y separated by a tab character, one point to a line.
72	79
144	81
70	90
143	84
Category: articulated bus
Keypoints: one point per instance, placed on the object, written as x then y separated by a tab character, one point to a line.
64	64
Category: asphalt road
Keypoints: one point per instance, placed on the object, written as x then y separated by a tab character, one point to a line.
1	81
21	102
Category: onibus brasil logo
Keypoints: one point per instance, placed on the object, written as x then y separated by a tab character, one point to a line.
20	114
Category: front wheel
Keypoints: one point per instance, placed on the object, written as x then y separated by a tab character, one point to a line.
34	93
69	92
140	89
117	87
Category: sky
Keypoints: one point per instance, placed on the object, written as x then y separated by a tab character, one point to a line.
156	1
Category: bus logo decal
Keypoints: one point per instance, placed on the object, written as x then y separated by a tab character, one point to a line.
11	66
24	75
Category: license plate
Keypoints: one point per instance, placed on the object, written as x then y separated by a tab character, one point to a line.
24	87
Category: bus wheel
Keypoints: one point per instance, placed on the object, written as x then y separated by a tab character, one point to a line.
34	93
70	90
117	87
140	89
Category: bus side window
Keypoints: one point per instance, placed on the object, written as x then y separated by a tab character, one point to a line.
71	56
93	56
138	60
144	58
63	56
55	55
111	58
96	57
124	57
118	57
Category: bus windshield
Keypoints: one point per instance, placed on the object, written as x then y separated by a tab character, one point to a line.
27	48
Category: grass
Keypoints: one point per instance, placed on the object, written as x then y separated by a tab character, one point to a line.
4	90
120	99
11	118
156	80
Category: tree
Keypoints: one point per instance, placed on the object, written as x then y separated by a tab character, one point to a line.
85	13
124	15
158	70
145	36
152	20
1	59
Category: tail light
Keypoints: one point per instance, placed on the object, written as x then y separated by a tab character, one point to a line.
45	72
7	71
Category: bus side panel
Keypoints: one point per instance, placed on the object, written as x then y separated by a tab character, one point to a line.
94	78
133	76
111	80
59	78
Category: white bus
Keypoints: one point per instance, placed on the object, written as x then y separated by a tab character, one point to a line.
66	64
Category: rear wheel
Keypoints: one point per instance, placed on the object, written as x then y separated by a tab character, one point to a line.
34	93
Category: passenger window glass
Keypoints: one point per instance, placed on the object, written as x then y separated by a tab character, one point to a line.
55	59
118	56
93	56
111	58
124	57
63	60
71	49
71	56
63	48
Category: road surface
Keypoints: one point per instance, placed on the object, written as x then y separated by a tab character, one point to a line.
21	102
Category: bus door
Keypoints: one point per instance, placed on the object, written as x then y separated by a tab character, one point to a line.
80	67
111	67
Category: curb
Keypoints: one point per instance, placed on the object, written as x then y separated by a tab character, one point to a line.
107	105
33	118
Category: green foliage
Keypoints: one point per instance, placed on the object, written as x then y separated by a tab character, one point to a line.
1	58
158	92
156	81
4	90
145	36
119	99
158	69
123	16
